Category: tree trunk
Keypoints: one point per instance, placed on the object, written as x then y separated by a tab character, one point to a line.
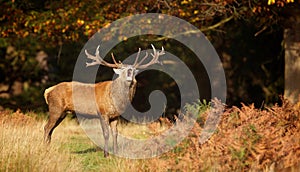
292	59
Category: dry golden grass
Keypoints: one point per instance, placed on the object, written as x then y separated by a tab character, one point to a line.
22	148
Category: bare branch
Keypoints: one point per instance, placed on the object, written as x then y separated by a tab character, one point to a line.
212	27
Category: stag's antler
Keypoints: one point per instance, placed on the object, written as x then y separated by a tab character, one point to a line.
154	60
98	60
137	57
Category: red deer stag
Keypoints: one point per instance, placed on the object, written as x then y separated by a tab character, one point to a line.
112	97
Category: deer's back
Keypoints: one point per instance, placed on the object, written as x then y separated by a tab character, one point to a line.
81	97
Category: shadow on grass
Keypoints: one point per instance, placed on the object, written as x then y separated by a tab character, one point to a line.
89	150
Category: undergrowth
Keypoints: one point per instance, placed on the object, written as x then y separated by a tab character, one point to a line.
247	139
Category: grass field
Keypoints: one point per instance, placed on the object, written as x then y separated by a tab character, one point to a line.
22	147
247	139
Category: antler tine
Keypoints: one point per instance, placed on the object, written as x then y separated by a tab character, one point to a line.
137	57
98	60
146	55
113	57
154	60
156	54
94	58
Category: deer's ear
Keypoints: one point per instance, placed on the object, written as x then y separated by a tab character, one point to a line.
117	71
136	72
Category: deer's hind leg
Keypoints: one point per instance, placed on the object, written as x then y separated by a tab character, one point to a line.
56	115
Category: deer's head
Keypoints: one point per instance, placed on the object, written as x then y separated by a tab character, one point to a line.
125	71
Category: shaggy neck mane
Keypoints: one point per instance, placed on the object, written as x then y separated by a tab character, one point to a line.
122	93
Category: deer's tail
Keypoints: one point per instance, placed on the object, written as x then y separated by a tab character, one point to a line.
46	93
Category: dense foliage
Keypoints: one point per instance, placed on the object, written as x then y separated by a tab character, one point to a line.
59	29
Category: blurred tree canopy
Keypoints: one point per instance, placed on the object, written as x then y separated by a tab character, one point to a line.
40	41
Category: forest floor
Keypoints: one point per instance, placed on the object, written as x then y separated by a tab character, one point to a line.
247	139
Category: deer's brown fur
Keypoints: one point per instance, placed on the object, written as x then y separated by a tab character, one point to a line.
106	100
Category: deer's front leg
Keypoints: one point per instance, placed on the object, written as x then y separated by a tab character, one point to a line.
113	125
105	129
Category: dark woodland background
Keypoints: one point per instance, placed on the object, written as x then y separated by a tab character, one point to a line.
41	40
